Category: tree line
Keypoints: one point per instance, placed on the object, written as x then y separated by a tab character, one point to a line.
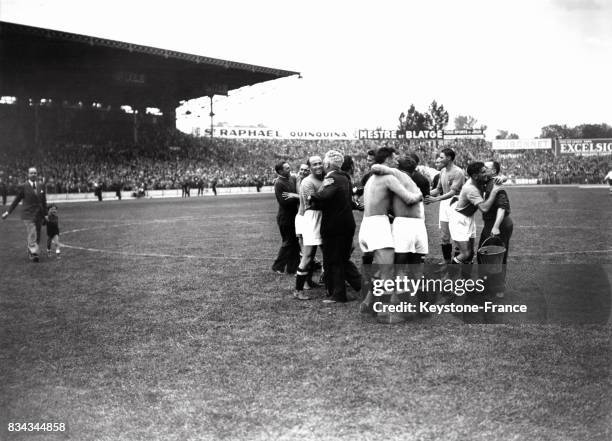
582	131
436	118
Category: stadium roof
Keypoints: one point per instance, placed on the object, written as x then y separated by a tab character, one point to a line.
45	63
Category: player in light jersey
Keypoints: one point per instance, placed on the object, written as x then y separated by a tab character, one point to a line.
451	180
302	173
310	226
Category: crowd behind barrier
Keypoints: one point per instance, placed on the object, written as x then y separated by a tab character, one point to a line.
167	159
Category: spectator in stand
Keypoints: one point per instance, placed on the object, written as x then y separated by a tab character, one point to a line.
186	187
98	191
200	185
258	184
74	166
118	188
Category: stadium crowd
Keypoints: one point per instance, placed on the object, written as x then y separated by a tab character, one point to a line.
167	159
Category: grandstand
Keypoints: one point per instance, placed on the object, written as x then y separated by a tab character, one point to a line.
92	111
69	101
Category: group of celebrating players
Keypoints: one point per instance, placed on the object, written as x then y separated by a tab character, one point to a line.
315	209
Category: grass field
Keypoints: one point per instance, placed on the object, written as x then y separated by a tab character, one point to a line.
163	321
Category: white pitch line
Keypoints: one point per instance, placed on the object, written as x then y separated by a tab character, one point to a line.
554	253
103	227
545	227
157	255
189	256
153	221
127	224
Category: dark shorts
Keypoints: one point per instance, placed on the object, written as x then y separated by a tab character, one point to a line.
52	230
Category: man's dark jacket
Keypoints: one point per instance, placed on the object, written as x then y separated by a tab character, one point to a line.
34	202
336	203
287	208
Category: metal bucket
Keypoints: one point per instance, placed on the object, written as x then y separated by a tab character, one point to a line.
492	255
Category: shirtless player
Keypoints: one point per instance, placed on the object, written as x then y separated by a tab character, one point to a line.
375	235
409	232
408	229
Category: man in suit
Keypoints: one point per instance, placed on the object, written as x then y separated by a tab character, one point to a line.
335	199
197	184
288	203
34	209
3	191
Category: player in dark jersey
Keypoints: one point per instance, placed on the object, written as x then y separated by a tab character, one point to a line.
497	223
419	179
289	253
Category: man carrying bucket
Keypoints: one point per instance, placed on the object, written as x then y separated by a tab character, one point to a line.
462	224
497	225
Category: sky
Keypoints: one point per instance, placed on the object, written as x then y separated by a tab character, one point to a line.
514	65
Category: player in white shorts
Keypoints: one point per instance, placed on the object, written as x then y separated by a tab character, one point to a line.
303	173
410	236
375	236
451	180
310	227
462	227
408	228
462	224
408	232
299	218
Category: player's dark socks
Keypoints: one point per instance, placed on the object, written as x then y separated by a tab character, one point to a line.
312	266
300	279
311	283
447	251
